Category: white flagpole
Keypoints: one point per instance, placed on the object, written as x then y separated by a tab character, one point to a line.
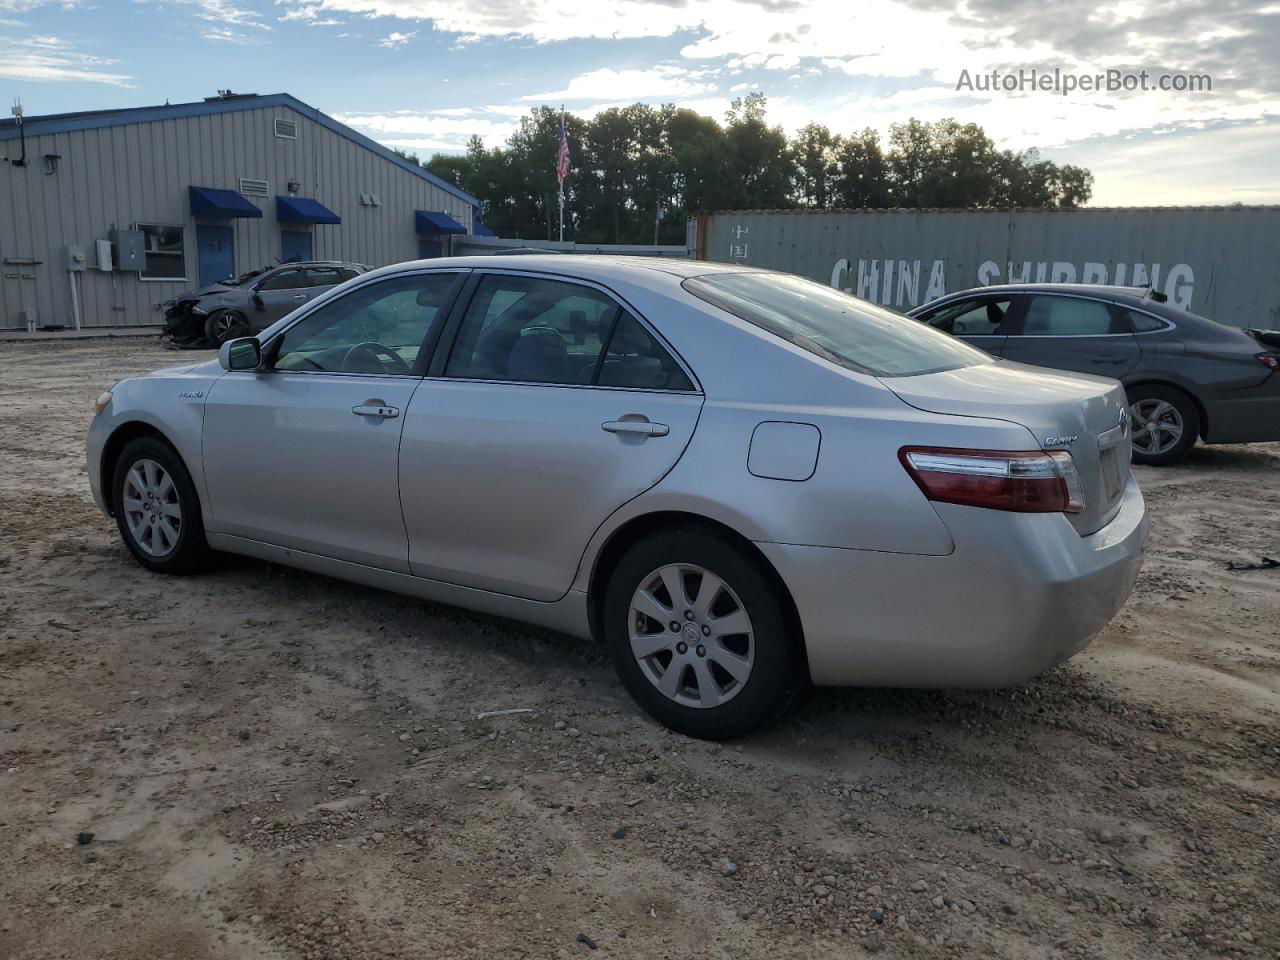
564	133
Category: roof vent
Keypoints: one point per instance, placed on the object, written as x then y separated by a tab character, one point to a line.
286	129
255	188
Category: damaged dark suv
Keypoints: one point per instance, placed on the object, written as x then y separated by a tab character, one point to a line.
244	305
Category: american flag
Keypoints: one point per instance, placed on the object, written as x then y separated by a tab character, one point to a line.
562	156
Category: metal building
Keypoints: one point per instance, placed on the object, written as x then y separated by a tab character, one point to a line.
105	214
1219	262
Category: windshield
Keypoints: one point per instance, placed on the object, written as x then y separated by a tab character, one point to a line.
835	326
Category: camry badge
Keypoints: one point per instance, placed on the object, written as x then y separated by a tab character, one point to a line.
1061	441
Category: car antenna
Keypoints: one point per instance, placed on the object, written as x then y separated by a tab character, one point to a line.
1157	296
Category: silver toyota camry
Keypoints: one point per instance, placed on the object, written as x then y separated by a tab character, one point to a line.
737	480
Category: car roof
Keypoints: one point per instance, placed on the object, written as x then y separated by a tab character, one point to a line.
584	265
314	263
1133	295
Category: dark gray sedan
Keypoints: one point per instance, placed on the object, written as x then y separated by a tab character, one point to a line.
1186	377
244	305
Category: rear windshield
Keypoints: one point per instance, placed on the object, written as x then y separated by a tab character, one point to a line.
840	328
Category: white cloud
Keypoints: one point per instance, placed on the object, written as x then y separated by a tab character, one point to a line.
664	80
397	39
447	129
227	35
52	59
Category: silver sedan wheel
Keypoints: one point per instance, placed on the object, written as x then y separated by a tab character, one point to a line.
1157	426
151	508
691	635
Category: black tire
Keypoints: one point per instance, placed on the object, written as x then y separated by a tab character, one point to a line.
223	325
1181	411
188	551
775	672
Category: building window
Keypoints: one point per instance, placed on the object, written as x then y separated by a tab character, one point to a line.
165	254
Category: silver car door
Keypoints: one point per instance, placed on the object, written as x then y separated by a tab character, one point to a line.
554	407
304	453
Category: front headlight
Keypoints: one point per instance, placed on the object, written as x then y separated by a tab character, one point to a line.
103	401
198	311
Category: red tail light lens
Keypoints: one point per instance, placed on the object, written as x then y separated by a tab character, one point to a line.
1271	360
1033	481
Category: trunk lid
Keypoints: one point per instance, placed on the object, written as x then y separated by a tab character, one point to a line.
1086	416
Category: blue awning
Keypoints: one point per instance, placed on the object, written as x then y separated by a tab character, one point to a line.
480	230
212	202
432	222
304	210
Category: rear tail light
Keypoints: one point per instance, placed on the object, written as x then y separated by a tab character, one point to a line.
1271	360
1034	481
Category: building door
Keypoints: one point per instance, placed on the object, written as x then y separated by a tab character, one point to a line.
295	245
429	247
215	253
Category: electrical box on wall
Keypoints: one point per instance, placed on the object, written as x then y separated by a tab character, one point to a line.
104	255
130	249
76	259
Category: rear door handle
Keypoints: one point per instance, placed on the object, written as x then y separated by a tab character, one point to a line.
642	427
375	408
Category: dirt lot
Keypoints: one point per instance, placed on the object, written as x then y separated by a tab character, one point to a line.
272	764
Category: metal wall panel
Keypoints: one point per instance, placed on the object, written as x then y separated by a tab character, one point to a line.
113	177
1220	262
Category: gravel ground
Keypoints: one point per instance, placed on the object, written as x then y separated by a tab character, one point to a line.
263	763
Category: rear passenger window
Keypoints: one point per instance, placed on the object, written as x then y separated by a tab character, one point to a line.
636	359
1049	316
532	330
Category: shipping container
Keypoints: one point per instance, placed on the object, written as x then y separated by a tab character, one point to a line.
1220	262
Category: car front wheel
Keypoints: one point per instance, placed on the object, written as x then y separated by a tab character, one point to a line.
224	325
1165	424
699	636
157	509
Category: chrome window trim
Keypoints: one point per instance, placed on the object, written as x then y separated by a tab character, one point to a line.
566	386
1075	336
612	295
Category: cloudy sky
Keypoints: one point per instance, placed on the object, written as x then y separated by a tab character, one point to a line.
426	74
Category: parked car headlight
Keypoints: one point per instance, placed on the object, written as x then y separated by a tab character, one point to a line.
197	311
103	401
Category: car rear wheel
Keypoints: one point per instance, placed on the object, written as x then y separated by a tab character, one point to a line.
1165	424
699	636
224	325
157	509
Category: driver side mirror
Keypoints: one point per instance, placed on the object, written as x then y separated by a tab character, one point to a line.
257	301
242	354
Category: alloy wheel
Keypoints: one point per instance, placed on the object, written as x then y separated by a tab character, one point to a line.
691	635
151	508
226	327
1157	426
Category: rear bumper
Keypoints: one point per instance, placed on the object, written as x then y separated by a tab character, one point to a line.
1020	594
1245	416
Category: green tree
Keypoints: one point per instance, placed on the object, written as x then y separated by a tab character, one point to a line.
862	179
815	152
758	155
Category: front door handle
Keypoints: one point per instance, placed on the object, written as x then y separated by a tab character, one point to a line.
375	408
299	296
642	427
